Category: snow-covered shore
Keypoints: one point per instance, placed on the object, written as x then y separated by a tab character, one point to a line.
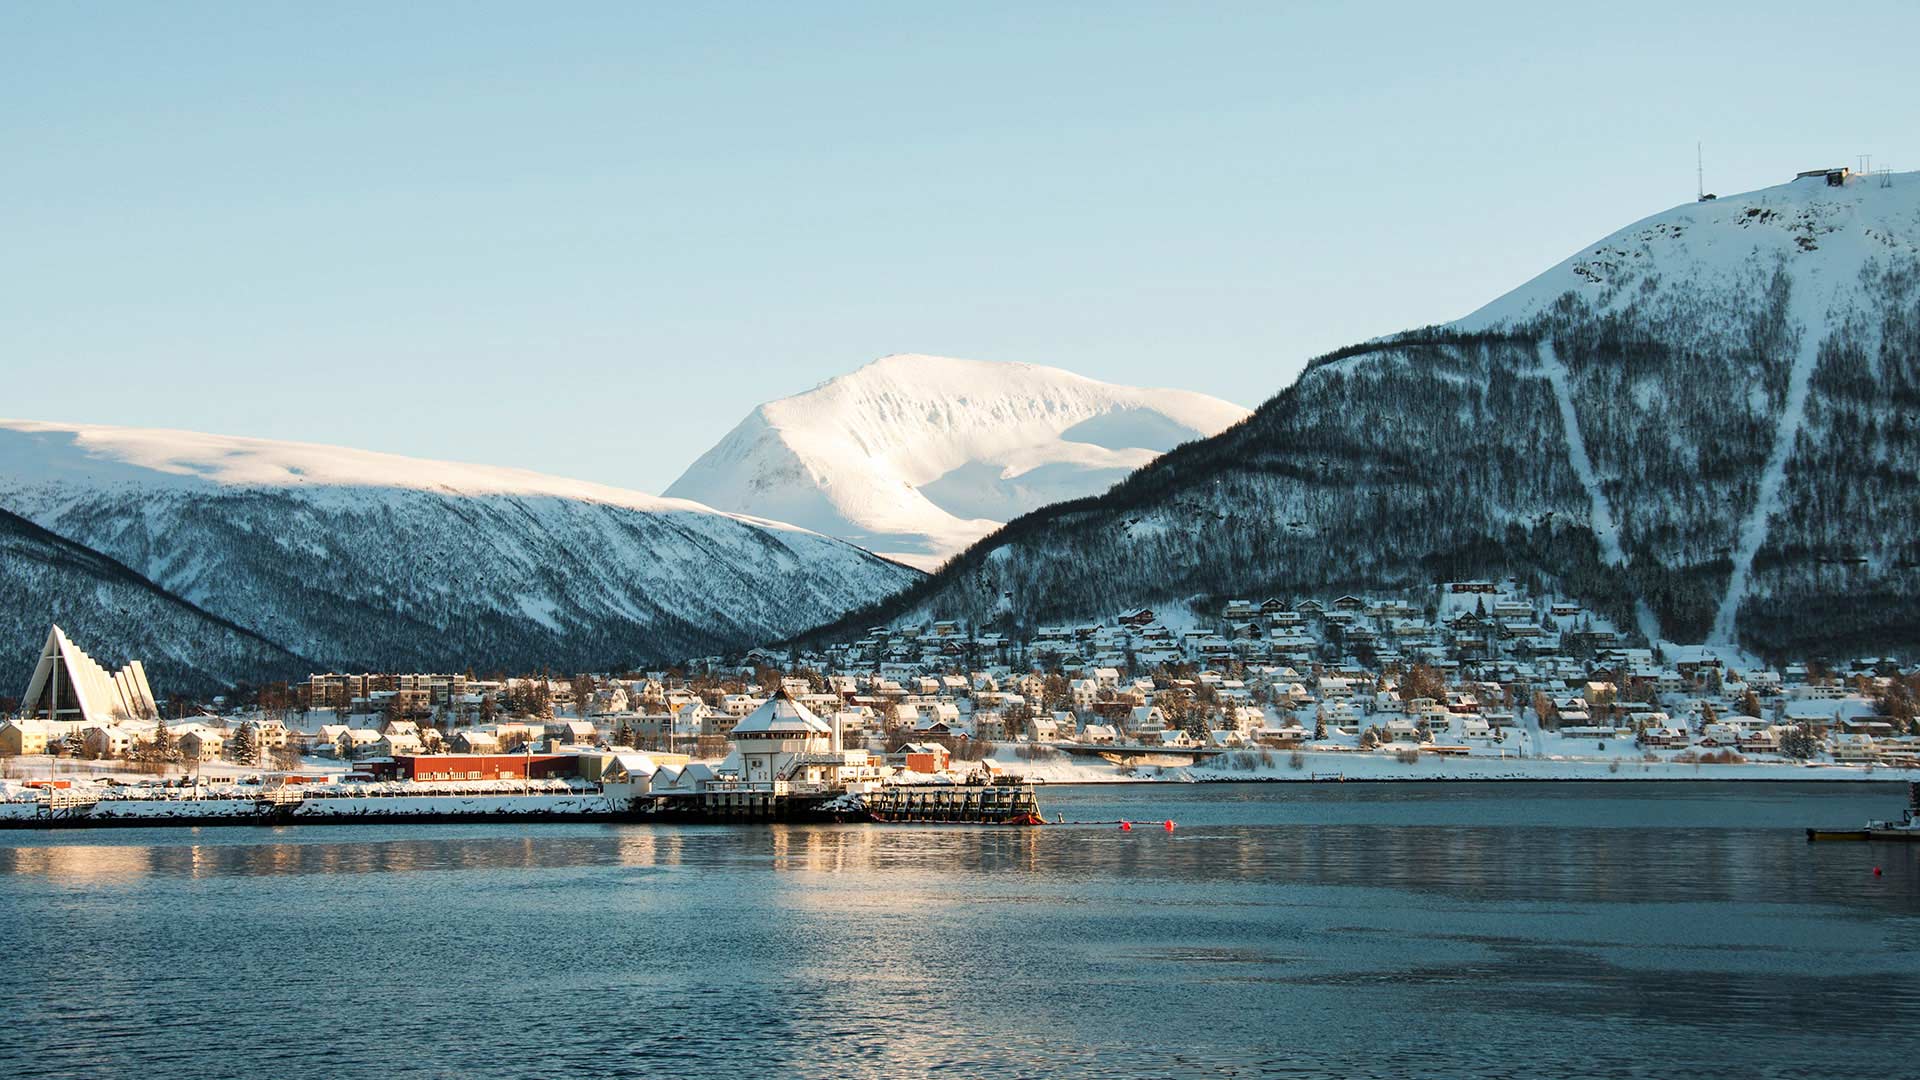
432	802
1308	766
20	806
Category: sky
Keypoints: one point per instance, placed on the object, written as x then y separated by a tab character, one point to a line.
588	239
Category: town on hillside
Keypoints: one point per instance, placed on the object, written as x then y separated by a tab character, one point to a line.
1480	679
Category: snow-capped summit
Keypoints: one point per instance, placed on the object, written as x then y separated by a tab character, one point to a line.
106	456
1822	243
918	456
1820	235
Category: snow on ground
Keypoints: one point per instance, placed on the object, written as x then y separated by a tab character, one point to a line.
1280	765
1701	246
335	808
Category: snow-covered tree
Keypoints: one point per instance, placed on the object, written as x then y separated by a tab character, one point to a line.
164	748
243	748
1799	743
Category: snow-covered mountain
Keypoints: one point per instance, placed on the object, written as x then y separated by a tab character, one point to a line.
352	559
1704	424
919	456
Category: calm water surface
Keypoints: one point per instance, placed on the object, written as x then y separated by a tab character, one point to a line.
1302	930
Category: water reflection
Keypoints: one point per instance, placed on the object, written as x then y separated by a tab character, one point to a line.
1482	863
78	864
1425	933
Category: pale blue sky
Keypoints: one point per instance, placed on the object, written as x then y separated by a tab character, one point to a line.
587	238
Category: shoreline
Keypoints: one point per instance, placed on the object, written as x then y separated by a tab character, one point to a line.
1311	767
1134	781
430	809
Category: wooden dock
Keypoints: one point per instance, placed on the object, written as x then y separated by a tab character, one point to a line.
968	804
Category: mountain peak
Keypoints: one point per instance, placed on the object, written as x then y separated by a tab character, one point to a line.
917	456
1823	235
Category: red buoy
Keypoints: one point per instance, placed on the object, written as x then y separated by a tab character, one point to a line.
1169	825
1876	871
1126	826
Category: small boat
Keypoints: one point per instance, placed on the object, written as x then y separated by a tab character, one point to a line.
1907	828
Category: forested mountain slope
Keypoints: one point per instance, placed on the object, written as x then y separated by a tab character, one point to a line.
1704	425
116	615
357	560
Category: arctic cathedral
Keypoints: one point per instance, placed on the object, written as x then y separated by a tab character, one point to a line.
69	686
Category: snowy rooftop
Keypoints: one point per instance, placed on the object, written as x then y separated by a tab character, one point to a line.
782	715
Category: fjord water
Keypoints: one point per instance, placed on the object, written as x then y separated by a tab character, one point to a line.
1301	930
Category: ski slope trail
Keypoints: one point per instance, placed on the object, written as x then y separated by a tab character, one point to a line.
1605	527
1773	477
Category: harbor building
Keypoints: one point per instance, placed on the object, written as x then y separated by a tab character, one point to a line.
783	747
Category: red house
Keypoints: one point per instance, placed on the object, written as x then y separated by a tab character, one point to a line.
474	766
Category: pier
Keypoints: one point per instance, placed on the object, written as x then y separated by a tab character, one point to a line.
985	804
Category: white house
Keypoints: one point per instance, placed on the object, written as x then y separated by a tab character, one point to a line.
1145	720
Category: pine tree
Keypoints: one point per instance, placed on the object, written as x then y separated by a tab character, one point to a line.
1799	743
163	745
243	747
73	745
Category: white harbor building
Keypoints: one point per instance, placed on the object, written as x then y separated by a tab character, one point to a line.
782	747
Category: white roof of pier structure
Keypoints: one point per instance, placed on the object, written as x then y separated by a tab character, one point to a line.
633	767
779	717
86	688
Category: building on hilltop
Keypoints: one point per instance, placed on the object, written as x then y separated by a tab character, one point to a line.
68	686
1835	177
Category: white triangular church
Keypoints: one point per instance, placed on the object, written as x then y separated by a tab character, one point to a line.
68	685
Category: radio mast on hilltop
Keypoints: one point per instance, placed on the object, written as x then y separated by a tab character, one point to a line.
1700	175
